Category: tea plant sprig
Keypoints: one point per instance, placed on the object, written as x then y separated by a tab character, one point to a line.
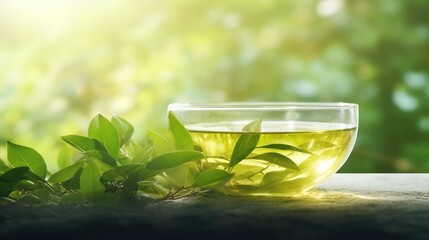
111	167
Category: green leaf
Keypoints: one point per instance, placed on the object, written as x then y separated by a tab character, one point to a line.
104	131
66	173
285	147
246	143
34	178
180	134
3	166
253	126
74	182
173	159
19	155
246	171
83	143
273	177
210	178
103	156
162	144
90	185
124	171
278	159
124	128
143	156
64	157
14	174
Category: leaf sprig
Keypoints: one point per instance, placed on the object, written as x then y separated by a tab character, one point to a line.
111	167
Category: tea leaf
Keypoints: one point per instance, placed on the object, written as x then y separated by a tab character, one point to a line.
181	135
84	144
143	156
64	157
90	185
246	171
285	147
124	171
3	166
33	177
162	144
66	173
103	156
104	131
14	174
273	177
124	128
210	178
173	159
131	148
253	126
74	182
246	143
19	155
277	159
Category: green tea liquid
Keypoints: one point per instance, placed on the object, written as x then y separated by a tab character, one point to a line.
329	144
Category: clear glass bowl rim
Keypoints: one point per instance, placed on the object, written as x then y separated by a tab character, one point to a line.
262	106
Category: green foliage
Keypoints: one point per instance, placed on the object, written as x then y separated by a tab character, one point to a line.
113	167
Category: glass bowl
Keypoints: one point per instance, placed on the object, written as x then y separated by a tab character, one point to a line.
275	149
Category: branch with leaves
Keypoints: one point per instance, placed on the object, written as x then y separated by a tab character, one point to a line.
111	167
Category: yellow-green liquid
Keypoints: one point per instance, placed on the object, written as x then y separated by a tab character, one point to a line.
329	144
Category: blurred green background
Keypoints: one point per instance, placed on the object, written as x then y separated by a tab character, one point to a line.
62	62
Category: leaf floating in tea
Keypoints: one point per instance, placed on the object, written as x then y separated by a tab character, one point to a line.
278	159
181	135
246	143
253	126
285	147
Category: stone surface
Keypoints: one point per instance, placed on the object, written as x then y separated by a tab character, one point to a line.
347	206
